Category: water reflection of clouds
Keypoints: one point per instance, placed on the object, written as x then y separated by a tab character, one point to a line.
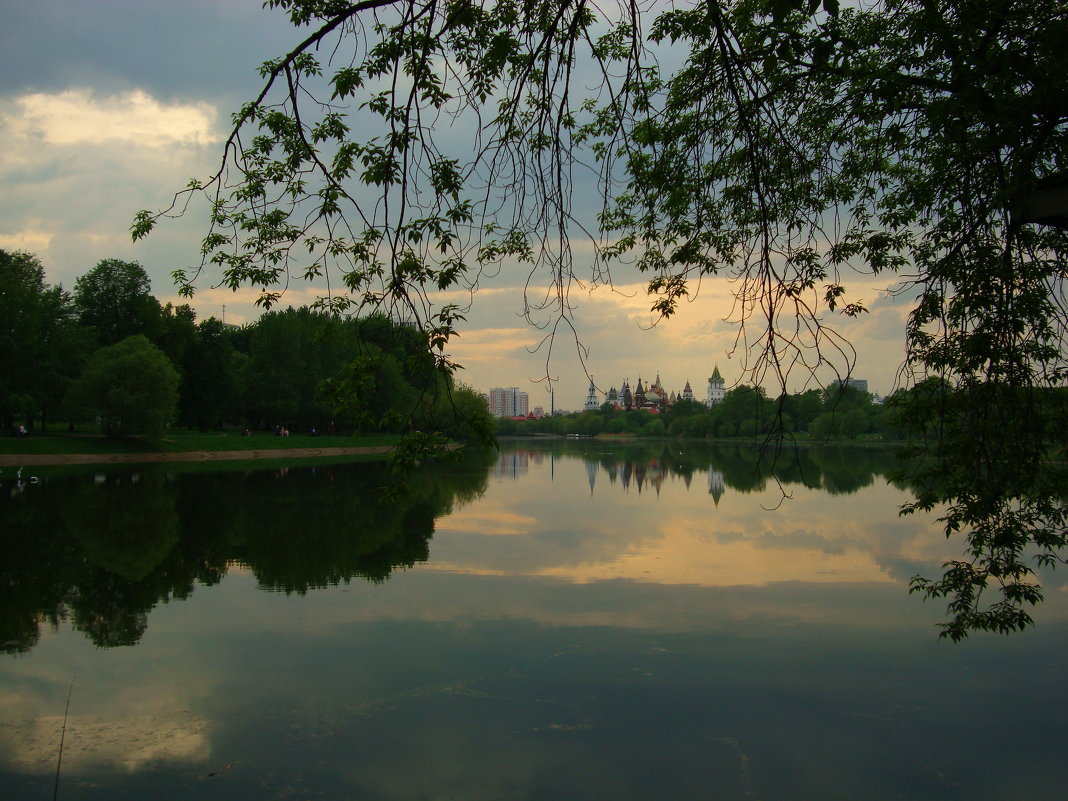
487	517
681	534
689	642
103	743
681	555
131	709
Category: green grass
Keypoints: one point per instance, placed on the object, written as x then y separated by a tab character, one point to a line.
176	441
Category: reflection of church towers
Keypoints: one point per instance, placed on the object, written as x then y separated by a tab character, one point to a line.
657	474
717	388
715	484
646	472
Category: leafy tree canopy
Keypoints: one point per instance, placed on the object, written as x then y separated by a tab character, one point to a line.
115	299
407	146
41	347
131	386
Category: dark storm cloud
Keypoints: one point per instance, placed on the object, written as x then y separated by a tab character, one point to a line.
203	48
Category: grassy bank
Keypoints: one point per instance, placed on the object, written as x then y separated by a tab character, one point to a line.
179	441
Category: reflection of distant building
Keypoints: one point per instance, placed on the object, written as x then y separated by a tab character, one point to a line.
511	464
644	473
657	474
716	485
648	473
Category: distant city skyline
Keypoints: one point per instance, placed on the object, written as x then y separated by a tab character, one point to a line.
710	390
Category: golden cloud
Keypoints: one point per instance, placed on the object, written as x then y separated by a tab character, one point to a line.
28	239
79	117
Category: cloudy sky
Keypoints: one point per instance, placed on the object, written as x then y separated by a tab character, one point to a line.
111	106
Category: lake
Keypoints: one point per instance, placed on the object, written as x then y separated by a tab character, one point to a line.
559	620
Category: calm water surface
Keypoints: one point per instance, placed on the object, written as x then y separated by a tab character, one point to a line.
569	621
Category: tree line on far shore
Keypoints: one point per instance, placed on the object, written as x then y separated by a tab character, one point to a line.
110	352
838	412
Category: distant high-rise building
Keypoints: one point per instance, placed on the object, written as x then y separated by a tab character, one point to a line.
508	402
496	402
860	384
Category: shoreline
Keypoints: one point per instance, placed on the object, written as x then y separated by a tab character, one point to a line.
41	459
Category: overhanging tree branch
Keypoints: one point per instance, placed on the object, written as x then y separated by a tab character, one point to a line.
784	147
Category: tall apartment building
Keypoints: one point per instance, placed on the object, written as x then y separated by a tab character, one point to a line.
508	402
852	383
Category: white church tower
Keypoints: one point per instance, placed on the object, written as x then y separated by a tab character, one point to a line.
716	388
592	404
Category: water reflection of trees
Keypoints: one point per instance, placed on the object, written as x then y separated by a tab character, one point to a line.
104	553
644	464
